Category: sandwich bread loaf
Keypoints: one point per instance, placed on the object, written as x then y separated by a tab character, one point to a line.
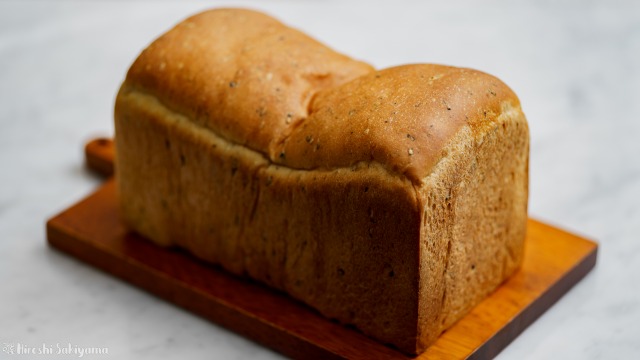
392	200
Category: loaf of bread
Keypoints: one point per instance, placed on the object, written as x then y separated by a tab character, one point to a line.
391	200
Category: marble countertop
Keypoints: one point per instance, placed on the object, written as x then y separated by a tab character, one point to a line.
574	65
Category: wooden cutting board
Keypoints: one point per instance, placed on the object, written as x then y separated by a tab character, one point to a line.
92	232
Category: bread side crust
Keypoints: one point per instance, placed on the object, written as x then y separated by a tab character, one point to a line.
474	214
344	241
440	247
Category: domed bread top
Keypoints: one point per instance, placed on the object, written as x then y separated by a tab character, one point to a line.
401	117
256	82
240	73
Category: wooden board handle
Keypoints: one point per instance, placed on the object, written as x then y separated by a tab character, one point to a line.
99	156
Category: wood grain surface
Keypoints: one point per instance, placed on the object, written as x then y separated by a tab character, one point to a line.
91	230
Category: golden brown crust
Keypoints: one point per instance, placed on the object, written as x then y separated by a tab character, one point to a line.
392	200
400	117
240	73
252	80
312	234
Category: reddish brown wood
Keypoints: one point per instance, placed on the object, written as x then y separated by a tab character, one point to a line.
99	154
92	231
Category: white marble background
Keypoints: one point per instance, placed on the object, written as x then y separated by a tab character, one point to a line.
574	64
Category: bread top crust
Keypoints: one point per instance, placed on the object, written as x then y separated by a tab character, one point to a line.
240	73
401	117
258	83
